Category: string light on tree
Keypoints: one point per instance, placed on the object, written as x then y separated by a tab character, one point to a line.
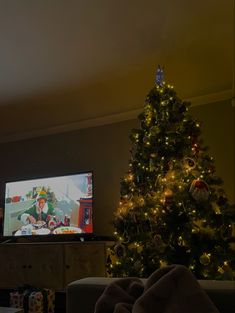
173	208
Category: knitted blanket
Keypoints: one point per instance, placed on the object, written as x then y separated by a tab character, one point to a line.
171	289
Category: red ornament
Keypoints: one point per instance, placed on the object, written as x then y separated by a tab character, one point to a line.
199	190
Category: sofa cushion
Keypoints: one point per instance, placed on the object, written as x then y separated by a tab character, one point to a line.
83	294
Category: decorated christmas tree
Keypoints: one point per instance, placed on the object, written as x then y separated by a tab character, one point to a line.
173	209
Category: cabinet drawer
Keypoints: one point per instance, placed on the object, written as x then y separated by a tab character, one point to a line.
84	259
37	265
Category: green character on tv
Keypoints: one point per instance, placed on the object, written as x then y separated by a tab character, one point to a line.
39	211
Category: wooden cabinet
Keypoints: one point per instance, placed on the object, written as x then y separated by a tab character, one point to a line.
12	265
85	259
50	265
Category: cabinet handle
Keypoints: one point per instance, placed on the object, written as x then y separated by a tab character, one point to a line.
29	266
67	266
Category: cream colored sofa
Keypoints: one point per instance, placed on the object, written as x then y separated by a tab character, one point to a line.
81	295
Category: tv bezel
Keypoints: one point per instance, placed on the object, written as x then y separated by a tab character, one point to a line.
48	237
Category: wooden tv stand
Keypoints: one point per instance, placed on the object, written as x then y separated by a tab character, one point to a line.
50	265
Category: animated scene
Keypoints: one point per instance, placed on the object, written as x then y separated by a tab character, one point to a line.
56	205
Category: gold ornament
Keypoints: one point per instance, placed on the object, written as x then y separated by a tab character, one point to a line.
160	245
189	163
205	258
168	197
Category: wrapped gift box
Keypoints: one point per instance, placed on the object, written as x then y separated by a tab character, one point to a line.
33	300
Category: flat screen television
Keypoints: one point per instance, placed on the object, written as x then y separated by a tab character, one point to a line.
59	205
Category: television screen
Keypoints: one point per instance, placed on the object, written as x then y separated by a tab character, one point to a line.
49	206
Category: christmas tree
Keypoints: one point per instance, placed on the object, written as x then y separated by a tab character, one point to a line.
172	208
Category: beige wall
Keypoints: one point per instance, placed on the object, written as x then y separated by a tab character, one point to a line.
105	150
218	133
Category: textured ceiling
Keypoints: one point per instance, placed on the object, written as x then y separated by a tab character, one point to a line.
63	62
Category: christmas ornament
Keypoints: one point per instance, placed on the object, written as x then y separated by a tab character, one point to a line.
154	130
129	177
226	231
195	149
222	200
148	114
182	108
211	169
199	190
158	240
146	141
216	208
139	200
205	258
226	271
137	266
119	250
189	163
139	248
170	165
168	197
170	175
159	75
152	166
159	244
